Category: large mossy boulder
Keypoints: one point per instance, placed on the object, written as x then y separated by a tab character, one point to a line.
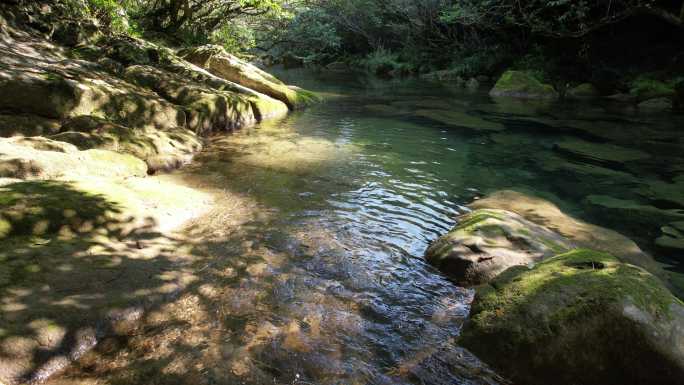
219	62
487	242
579	318
520	84
207	110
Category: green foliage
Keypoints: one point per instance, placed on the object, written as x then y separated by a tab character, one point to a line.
235	37
113	15
381	62
487	60
646	87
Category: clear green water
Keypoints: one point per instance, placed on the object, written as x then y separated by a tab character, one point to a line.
351	192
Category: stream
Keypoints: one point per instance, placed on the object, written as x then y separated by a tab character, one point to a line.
325	281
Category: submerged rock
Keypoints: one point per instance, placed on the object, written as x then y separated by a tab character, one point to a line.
520	84
604	154
581	317
487	242
461	119
672	237
638	213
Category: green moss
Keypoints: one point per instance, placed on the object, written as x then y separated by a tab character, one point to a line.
644	88
307	98
567	314
522	84
590	275
471	220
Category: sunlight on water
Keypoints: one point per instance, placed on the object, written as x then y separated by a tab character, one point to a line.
316	271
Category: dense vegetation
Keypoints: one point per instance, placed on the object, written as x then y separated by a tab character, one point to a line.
607	42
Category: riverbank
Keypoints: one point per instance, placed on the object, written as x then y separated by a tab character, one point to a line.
89	241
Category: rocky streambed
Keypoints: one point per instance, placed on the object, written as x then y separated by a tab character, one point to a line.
144	239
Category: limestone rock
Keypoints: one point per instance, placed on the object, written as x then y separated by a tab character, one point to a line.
219	62
27	125
25	162
207	110
161	150
487	242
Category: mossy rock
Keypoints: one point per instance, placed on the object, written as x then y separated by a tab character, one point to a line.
581	317
487	242
161	150
306	97
583	91
520	84
582	234
644	89
216	60
26	162
209	106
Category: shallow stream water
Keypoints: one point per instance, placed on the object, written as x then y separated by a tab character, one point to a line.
325	280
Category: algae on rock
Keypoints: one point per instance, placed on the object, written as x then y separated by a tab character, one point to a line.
488	241
520	84
569	318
